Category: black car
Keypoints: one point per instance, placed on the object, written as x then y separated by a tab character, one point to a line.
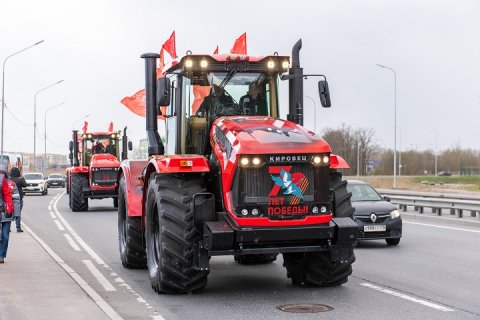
56	180
376	217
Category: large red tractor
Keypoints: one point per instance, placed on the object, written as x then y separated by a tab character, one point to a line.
94	167
233	178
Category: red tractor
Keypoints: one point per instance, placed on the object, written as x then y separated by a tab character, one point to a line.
94	167
233	178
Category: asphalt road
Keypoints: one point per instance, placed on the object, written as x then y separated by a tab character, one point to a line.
432	274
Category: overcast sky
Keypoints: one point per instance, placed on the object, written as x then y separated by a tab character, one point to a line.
94	45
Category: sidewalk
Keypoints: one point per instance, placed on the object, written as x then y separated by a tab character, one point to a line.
34	286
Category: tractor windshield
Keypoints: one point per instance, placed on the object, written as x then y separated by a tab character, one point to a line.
233	93
99	144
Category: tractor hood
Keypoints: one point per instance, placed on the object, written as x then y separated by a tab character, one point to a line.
104	160
267	135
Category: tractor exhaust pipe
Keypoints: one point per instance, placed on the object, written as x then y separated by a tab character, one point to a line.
295	108
75	148
124	144
155	145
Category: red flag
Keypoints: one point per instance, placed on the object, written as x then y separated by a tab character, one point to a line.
216	51
169	46
110	127
199	92
240	45
85	127
137	103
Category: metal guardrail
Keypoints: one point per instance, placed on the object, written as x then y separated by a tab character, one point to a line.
455	204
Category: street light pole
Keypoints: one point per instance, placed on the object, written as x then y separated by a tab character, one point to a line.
3	84
35	122
395	127
436	153
314	113
45	135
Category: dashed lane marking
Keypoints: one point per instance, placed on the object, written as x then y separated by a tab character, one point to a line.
441	227
49	207
71	242
53	215
407	297
106	308
59	225
99	276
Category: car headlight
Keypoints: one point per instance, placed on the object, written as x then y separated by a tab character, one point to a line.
395	214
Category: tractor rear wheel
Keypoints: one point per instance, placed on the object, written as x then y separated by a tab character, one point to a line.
255	258
78	201
171	233
316	268
130	234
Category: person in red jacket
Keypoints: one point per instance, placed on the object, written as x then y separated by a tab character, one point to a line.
6	212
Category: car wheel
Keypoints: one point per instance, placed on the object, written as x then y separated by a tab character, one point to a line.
393	242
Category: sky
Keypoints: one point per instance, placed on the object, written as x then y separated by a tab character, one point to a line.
95	47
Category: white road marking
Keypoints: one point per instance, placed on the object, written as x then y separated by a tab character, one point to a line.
407	297
97	258
109	311
71	242
99	276
53	215
442	227
59	225
76	236
49	207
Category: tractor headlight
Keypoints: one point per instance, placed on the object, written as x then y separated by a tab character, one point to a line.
203	63
395	214
321	159
244	161
285	64
188	63
250	161
256	161
270	64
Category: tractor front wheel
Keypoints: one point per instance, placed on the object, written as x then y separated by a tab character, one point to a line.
78	201
130	233
316	268
171	233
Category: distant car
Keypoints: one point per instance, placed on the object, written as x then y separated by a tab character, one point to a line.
376	217
444	173
35	183
56	180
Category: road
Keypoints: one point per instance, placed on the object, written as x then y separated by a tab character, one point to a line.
432	274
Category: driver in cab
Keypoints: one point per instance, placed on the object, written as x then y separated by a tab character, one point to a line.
218	103
253	103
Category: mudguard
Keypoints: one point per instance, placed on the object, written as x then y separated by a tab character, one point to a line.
79	169
132	170
337	162
182	163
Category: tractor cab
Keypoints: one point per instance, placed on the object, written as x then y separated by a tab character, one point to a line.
99	143
203	88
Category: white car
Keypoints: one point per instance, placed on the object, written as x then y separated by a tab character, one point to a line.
36	183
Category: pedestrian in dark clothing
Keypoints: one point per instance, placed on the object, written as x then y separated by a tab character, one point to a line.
6	212
16	176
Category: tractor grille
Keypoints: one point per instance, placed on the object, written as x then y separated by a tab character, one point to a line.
105	177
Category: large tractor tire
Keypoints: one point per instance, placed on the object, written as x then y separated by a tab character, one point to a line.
255	258
316	268
78	201
171	234
130	234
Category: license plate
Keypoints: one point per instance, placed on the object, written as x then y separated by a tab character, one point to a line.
375	228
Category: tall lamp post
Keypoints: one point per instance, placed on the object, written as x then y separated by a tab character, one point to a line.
395	127
314	113
35	122
436	153
3	84
45	134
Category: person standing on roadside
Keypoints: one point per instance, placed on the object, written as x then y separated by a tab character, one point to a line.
6	212
15	175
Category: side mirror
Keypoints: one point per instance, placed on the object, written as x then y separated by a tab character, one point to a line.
163	92
130	145
324	93
70	146
387	199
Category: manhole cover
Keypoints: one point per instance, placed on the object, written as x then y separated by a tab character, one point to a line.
304	308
